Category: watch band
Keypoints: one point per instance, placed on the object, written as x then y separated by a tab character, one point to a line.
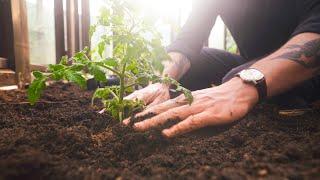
261	86
262	89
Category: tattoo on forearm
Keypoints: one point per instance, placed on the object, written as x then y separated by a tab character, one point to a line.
307	54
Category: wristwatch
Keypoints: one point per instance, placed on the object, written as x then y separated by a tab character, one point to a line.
256	78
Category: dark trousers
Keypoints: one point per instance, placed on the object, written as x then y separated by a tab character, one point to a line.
215	66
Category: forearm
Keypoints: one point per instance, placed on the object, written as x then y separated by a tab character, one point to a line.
294	63
177	66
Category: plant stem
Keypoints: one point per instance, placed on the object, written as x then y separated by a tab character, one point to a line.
106	67
131	85
114	95
112	70
121	93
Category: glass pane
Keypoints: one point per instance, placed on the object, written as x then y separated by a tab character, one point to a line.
216	38
171	14
41	31
94	13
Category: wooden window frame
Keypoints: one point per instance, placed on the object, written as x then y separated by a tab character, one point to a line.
77	30
15	47
15	67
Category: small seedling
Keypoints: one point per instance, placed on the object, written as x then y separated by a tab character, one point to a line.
136	56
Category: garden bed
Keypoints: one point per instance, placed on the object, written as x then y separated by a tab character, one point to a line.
63	137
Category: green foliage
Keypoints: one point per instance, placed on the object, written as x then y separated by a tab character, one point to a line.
136	56
97	72
37	86
75	77
231	45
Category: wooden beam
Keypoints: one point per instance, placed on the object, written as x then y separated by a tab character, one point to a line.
72	27
6	33
7	77
21	42
85	23
59	29
3	63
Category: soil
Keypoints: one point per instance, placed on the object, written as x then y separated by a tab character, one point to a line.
63	137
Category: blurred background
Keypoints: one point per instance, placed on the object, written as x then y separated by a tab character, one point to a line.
35	33
171	15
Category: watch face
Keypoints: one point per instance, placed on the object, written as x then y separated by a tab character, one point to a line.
251	75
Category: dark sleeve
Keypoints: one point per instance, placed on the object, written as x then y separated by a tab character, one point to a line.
196	30
311	22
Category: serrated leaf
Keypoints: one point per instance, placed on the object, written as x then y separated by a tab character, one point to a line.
104	18
92	30
76	78
157	65
156	42
101	48
143	80
86	49
80	57
76	67
132	52
37	74
97	72
35	89
187	93
110	62
133	68
64	60
57	75
55	67
101	93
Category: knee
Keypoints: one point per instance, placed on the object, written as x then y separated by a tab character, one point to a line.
231	74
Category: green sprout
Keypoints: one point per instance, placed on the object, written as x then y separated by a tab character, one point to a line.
136	57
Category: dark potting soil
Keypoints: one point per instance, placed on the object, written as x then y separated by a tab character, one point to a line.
63	137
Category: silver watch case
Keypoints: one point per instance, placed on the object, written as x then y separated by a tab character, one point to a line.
251	75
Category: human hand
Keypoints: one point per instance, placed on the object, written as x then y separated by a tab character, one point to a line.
213	106
151	95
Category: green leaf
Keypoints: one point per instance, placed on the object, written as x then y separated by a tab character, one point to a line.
57	71
81	58
133	68
64	60
86	50
104	18
77	67
156	42
57	75
92	30
143	80
110	62
76	78
97	72
55	67
101	93
35	89
101	48
157	64
113	108
187	93
37	74
132	52
105	93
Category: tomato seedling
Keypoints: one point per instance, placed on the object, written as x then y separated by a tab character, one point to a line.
136	56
